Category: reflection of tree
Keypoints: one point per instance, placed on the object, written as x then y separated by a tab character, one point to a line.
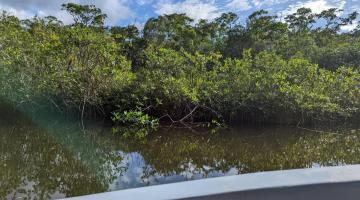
178	152
39	162
43	158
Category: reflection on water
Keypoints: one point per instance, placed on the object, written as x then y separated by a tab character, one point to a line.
43	159
53	161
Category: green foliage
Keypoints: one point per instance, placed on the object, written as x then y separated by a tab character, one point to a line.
184	71
67	65
85	15
136	118
173	31
301	21
133	124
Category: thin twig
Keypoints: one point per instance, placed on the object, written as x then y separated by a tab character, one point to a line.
53	102
212	110
317	131
168	116
147	108
190	114
82	113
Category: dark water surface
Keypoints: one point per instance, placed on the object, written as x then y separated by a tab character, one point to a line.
49	158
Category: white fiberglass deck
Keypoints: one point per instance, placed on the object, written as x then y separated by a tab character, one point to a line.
317	183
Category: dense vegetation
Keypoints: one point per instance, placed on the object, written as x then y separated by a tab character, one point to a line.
299	69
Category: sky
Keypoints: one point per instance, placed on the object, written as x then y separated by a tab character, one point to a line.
125	12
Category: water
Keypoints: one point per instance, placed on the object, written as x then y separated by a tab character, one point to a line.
45	158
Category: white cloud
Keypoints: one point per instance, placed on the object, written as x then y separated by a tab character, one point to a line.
195	9
144	2
64	17
316	6
22	14
127	10
260	3
115	9
349	27
239	5
354	5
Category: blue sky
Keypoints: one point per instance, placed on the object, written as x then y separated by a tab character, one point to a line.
123	12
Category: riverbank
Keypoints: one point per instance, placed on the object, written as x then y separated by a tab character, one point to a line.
142	77
266	89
